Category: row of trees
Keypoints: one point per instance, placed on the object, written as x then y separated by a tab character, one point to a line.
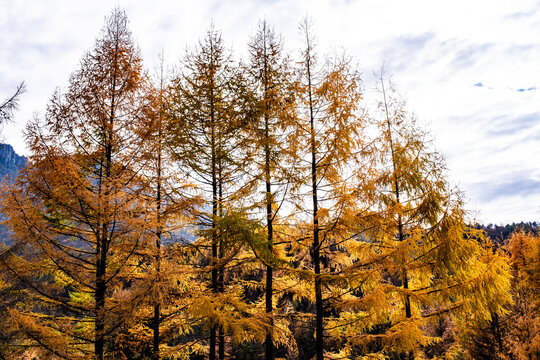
240	204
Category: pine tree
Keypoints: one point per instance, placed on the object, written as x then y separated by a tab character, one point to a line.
75	212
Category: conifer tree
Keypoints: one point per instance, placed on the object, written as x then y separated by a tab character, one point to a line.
75	212
523	321
326	144
206	136
9	105
416	259
514	333
158	127
168	197
269	75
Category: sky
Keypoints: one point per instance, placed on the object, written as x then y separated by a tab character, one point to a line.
469	70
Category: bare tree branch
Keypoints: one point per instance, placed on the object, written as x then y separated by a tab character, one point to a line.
11	104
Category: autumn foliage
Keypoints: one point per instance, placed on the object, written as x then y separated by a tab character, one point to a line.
248	210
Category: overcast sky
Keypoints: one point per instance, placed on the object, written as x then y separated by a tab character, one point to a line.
469	70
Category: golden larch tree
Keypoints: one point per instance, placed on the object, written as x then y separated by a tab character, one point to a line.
206	133
76	211
326	143
269	75
415	258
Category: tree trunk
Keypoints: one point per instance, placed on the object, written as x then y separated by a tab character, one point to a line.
220	281
99	341
269	345
155	326
159	230
269	341
316	245
213	330
401	235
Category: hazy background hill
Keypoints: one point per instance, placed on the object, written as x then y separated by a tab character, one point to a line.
500	233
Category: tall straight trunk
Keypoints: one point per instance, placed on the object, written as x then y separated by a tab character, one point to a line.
157	310
213	330
269	346
221	285
101	260
102	247
316	254
316	247
99	341
269	339
401	234
155	329
101	253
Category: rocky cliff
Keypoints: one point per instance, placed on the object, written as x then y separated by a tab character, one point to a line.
10	162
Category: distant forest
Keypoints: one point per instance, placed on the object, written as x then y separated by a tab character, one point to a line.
247	209
500	234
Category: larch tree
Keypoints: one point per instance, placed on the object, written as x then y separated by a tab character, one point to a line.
206	131
75	212
158	150
165	271
269	75
9	289
515	333
416	258
326	144
523	321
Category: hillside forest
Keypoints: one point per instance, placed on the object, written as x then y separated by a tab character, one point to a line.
248	209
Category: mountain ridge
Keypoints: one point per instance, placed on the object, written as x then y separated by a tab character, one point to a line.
10	165
10	162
